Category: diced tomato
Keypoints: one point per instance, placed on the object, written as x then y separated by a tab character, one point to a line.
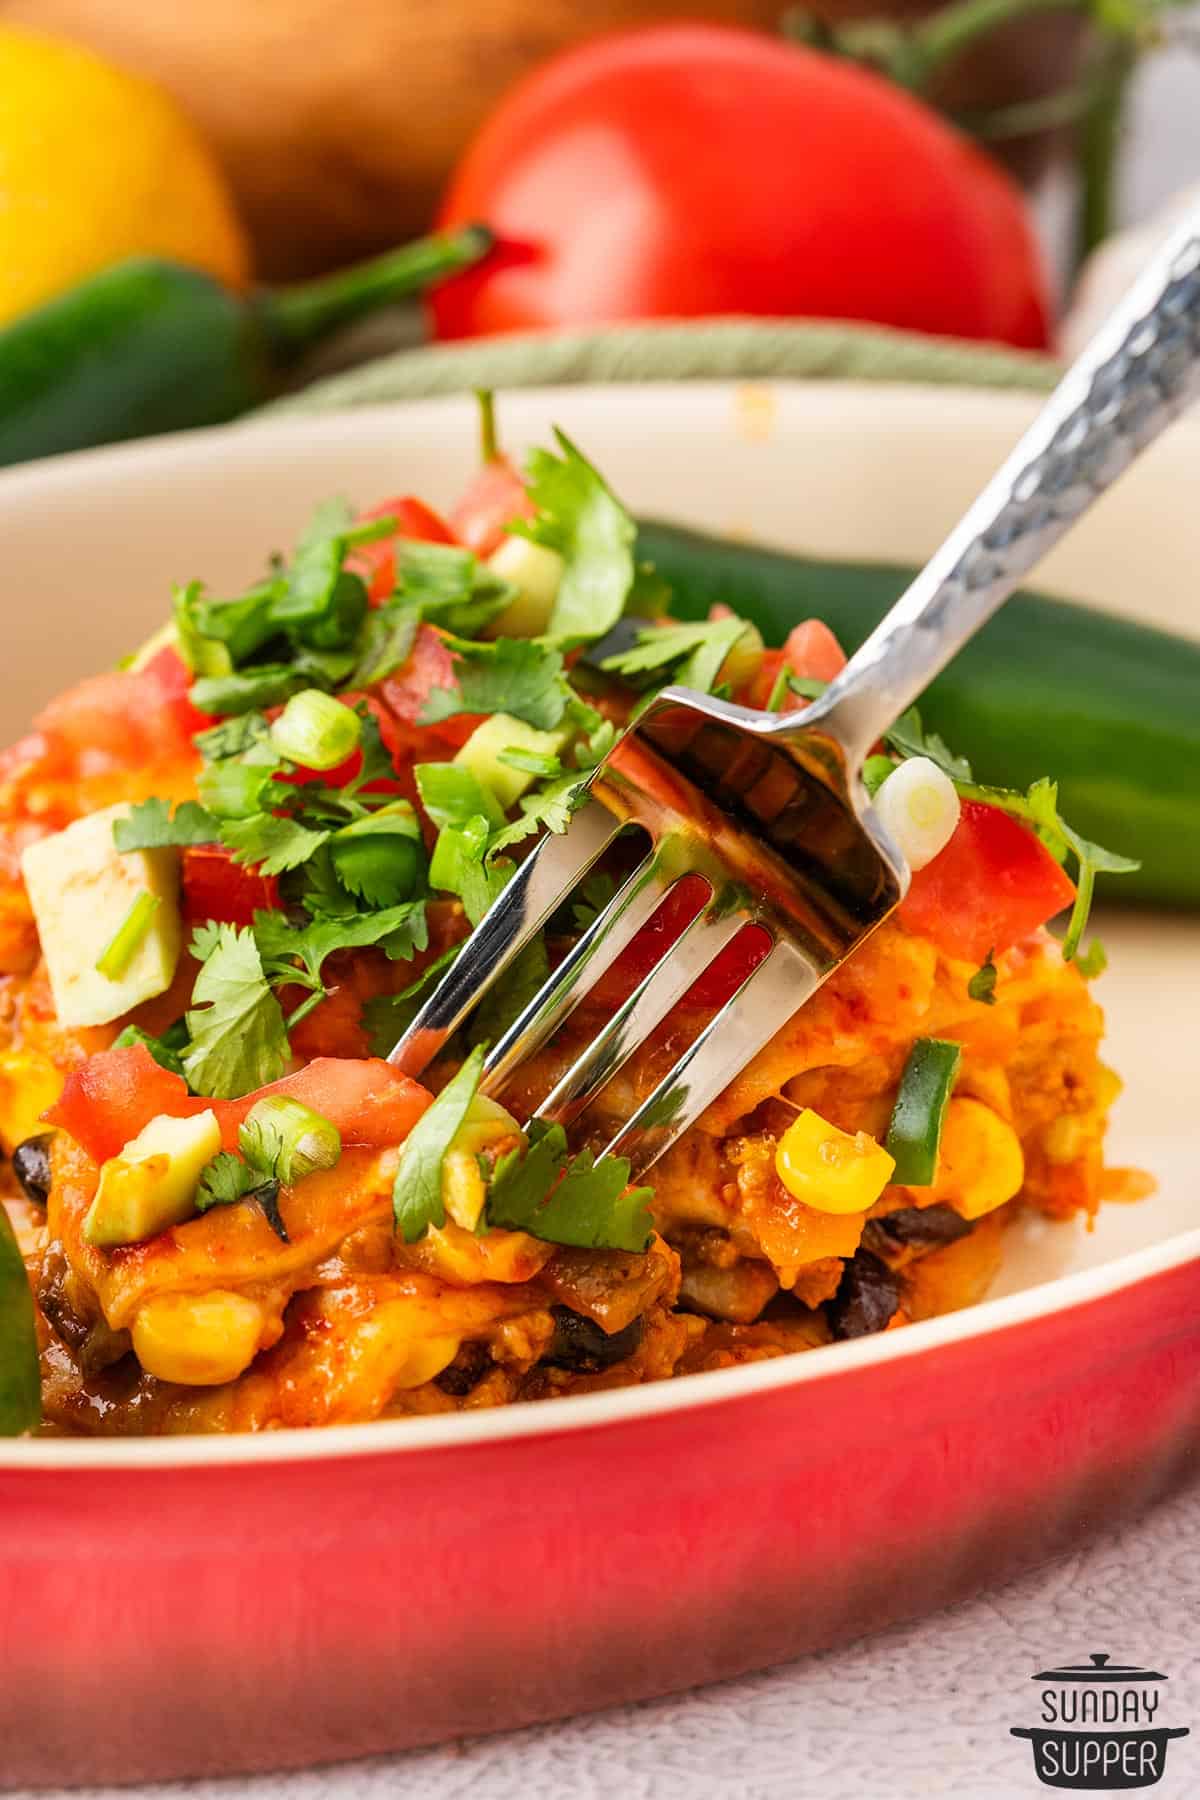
494	499
724	974
173	678
429	666
112	1096
369	1101
133	717
757	692
376	562
992	885
215	887
812	651
116	1094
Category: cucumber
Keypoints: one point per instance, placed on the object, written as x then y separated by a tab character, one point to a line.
1108	708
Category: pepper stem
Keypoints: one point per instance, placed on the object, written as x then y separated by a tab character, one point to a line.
297	317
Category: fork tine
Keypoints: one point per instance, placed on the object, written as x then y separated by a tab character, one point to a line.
637	1016
768	997
549	873
634	903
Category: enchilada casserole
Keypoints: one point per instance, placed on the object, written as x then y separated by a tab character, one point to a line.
230	872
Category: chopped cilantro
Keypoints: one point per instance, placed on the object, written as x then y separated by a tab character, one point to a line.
150	825
271	842
580	517
549	808
451	794
592	896
568	1200
165	1049
690	655
908	737
227	1180
982	985
520	676
238	1039
417	1191
384	643
381	858
511	993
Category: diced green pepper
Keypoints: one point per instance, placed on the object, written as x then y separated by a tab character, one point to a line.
916	1127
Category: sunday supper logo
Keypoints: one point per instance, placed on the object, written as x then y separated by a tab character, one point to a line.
1100	1727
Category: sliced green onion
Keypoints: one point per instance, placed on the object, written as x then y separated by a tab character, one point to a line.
316	730
915	1131
918	806
286	1139
876	770
125	942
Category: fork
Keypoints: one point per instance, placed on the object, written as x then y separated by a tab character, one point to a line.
770	810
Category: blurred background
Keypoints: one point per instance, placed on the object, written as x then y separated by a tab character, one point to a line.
204	207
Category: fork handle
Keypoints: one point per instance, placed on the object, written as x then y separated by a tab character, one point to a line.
1139	371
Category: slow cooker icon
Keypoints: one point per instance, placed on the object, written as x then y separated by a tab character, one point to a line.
1099	1731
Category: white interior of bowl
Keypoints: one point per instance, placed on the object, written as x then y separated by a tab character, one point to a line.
92	544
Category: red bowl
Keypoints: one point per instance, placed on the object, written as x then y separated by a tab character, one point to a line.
209	1606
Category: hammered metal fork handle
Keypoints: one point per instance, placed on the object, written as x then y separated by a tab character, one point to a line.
1139	371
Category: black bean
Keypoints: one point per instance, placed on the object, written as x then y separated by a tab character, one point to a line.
581	1345
31	1166
867	1297
926	1225
465	1372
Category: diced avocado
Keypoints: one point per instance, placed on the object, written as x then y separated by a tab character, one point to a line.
535	571
81	889
486	1125
151	1184
482	750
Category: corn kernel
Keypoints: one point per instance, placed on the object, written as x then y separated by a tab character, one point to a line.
830	1170
425	1358
980	1162
29	1084
201	1340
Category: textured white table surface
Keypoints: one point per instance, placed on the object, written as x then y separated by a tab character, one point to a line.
918	1711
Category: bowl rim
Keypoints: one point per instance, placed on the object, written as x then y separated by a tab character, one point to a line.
610	1407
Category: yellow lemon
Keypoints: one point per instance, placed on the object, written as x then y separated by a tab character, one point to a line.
97	165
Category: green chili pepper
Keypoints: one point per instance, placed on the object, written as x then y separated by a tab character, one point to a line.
916	1127
149	345
20	1378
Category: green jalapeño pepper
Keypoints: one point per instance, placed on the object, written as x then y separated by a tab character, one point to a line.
149	346
20	1380
916	1128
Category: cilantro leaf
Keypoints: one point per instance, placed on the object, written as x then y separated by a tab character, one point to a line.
400	930
165	1049
226	1180
579	516
592	896
576	1201
384	642
982	985
692	654
150	825
457	866
451	794
513	675
417	1191
908	737
232	737
381	858
549	807
238	1038
272	843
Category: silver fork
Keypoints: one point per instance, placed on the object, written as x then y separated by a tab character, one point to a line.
771	809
